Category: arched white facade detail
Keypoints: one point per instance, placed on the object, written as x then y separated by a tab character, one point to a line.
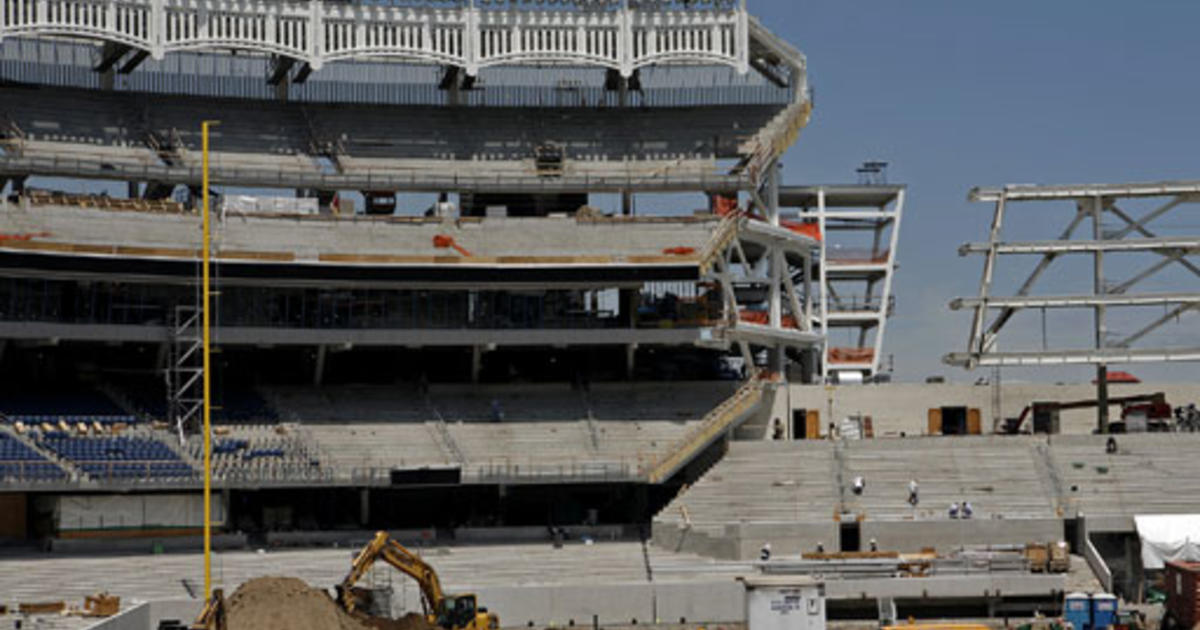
319	32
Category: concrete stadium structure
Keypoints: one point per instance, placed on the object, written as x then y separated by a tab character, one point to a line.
518	279
519	362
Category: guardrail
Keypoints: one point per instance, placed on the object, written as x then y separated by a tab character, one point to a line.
101	167
716	422
1096	563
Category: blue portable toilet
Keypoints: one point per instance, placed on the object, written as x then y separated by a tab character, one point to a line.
1104	610
1077	609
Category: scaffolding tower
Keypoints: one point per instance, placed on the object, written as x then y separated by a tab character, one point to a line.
185	387
859	229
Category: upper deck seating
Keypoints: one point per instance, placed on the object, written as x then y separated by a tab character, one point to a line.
117	458
141	128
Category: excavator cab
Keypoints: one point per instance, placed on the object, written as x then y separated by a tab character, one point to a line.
461	612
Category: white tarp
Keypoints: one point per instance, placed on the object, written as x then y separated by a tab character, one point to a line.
248	204
1168	537
145	512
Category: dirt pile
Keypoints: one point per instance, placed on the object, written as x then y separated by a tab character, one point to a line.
283	603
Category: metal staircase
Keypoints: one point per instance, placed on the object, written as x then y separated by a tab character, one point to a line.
443	432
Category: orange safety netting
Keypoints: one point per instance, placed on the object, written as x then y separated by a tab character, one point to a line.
760	317
724	204
1117	376
679	251
444	241
852	355
808	228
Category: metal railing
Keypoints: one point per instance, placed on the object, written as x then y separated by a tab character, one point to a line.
855	303
66	64
717	421
1096	563
318	33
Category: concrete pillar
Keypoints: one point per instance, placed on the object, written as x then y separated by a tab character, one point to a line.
1102	398
364	506
133	190
163	356
626	203
630	361
476	362
1133	572
319	366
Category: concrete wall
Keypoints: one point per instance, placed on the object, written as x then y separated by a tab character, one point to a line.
744	541
145	616
907	536
706	541
903	407
549	605
775	406
148	544
787	539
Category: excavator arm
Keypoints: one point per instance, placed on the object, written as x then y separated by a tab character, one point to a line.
400	558
212	616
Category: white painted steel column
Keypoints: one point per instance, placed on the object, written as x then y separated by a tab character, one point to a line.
824	282
886	296
975	344
1099	315
316	35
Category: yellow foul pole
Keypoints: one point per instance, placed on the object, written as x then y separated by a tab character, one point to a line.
207	341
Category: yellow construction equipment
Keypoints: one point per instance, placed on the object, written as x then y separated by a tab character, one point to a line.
101	605
212	617
451	612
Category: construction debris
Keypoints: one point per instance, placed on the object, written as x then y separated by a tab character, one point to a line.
98	605
40	608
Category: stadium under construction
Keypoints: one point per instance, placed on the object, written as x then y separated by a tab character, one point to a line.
520	282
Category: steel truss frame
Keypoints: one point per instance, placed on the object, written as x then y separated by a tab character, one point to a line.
1090	202
767	256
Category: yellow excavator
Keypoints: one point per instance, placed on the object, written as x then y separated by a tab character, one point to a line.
450	612
212	616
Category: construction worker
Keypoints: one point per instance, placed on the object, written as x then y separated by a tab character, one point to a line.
967	510
954	510
859	485
874	545
913	499
764	554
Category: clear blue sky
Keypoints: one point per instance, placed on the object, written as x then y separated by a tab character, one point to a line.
957	94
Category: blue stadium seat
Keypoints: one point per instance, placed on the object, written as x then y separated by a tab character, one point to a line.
118	457
18	461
